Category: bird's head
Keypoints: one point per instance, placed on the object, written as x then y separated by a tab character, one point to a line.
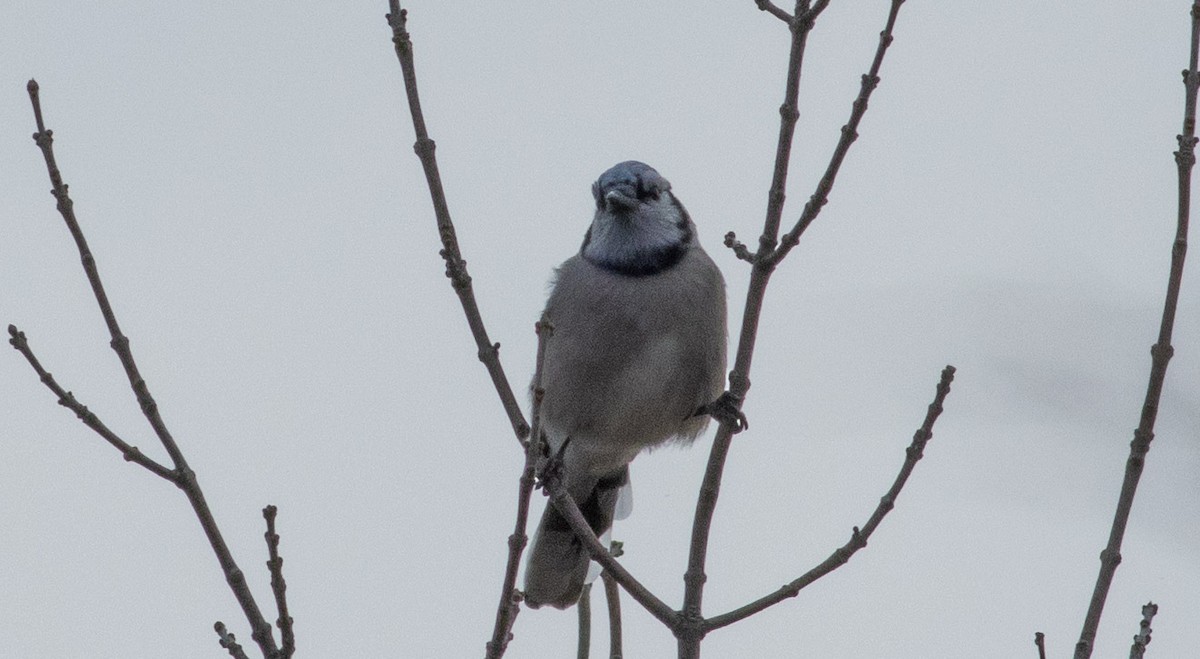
640	228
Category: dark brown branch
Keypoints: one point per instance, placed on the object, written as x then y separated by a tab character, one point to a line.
1142	638
859	537
184	477
510	598
89	419
1039	639
817	201
767	257
739	248
456	266
770	8
1160	353
612	595
583	611
229	641
279	586
559	497
789	115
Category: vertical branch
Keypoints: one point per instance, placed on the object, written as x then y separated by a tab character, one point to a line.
612	594
764	262
184	477
1142	638
279	586
583	610
456	266
1160	354
1039	639
789	114
510	599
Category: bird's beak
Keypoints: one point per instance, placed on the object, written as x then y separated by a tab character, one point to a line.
620	199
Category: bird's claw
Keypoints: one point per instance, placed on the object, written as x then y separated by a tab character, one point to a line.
727	408
549	467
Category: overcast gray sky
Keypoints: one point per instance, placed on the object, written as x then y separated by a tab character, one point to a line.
245	176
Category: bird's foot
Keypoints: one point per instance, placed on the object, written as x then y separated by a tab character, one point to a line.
550	467
727	408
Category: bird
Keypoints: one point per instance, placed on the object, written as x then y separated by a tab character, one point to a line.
636	360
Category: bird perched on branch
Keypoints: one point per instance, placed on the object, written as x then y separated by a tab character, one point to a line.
637	359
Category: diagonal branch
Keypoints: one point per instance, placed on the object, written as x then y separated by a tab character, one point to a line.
45	140
557	489
510	599
89	419
183	476
859	537
772	9
228	641
456	266
1160	353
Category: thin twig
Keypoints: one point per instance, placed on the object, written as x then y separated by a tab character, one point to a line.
739	248
789	115
612	594
765	261
1160	353
279	586
770	8
456	266
229	641
859	537
870	81
584	612
89	419
1142	638
510	599
1039	639
184	477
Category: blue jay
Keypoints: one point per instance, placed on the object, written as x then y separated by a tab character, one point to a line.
637	359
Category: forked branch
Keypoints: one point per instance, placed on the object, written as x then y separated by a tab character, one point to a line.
181	474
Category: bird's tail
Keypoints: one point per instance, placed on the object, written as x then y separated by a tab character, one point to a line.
558	562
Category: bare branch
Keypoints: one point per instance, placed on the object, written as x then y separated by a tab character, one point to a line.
870	81
859	537
765	261
183	476
739	249
1142	638
559	497
789	115
770	8
1160	353
229	641
279	586
584	612
510	598
89	419
613	596
456	266
1039	639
